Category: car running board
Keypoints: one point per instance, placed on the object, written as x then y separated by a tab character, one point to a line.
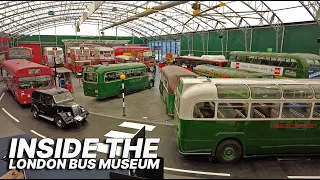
46	117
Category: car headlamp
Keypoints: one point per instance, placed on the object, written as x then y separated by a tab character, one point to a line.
82	109
69	113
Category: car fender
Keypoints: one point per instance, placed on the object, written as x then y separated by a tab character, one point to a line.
34	106
63	115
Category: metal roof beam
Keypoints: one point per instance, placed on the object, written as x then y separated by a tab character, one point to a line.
91	9
313	7
143	14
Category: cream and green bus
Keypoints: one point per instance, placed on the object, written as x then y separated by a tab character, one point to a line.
235	118
170	76
103	81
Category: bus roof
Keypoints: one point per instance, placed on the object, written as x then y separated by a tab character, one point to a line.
196	90
221	57
239	73
78	48
114	67
20	48
101	48
16	65
277	55
132	47
51	48
203	59
173	74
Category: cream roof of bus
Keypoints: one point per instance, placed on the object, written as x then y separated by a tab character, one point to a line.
229	71
201	58
78	48
50	48
196	89
101	48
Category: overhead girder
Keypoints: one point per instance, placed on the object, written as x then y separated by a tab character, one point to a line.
38	10
91	9
62	23
72	21
146	13
270	17
74	17
313	7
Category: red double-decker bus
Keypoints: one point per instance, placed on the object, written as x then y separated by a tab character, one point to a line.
129	50
22	77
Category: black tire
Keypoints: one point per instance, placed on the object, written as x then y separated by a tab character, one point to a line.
151	84
35	112
228	151
60	123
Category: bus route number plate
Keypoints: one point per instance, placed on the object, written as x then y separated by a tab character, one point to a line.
34	71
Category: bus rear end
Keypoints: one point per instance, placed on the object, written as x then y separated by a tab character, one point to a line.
90	84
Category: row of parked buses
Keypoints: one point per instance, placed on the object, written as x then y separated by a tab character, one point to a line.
228	114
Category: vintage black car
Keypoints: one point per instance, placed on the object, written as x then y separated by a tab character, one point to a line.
57	104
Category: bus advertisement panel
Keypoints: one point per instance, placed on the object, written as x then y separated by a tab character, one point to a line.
20	53
103	81
48	56
235	118
22	77
282	65
274	70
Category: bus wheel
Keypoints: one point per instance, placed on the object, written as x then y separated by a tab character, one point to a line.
35	113
228	151
151	84
59	122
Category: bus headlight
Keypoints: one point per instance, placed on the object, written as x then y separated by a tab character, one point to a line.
68	113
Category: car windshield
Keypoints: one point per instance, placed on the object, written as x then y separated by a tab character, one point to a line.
59	98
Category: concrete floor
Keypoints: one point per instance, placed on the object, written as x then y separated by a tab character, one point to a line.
146	103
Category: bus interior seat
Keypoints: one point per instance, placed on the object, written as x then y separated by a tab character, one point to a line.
257	114
220	114
274	113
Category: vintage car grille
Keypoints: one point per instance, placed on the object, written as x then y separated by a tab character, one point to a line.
76	110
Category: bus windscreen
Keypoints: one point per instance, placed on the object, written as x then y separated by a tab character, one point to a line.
34	82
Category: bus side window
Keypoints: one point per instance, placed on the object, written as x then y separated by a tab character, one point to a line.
274	62
204	110
316	110
118	74
265	110
296	110
232	58
294	63
138	72
110	76
232	110
288	63
129	74
264	60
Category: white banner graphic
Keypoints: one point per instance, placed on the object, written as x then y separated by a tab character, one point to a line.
258	68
